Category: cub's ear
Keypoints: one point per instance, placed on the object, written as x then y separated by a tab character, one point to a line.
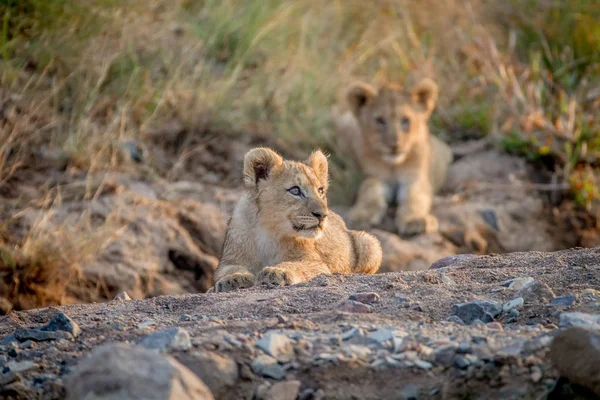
425	95
358	95
318	162
258	164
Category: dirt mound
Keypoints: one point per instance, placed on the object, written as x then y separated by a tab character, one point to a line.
481	327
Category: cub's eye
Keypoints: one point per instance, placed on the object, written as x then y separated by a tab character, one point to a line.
381	122
321	191
405	124
295	191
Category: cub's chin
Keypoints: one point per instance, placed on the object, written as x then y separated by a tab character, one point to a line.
314	233
394	158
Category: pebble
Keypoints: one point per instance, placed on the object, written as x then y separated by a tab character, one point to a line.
21	366
568	319
276	345
461	362
8	377
361	352
122	296
423	364
495	326
366	298
590	296
536	374
450	261
447	280
456	320
352	306
287	390
566	300
381	335
512	304
575	352
185	318
167	339
536	292
218	371
477	310
61	322
520	283
28	344
350	333
145	324
267	366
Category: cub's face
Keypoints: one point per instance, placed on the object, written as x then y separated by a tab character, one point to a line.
391	120
291	196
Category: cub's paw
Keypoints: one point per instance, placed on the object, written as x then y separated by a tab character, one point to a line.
238	280
418	225
276	276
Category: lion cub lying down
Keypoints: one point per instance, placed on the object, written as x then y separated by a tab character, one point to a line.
388	134
281	231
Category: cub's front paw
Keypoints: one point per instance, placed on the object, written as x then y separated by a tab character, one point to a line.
276	276
238	280
418	225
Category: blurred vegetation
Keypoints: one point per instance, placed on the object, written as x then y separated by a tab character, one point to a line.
84	76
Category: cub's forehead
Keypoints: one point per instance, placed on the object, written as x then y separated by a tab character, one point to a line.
300	174
392	98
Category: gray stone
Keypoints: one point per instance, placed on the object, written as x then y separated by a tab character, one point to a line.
61	322
447	280
28	344
122	296
444	355
381	335
167	339
536	292
38	335
451	261
565	300
461	362
477	310
276	345
287	390
423	364
456	320
267	366
512	304
366	298
575	352
8	339
352	306
118	371
584	320
185	318
9	377
145	324
350	333
520	283
21	366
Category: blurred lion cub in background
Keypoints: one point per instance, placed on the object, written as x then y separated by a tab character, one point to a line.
282	232
388	134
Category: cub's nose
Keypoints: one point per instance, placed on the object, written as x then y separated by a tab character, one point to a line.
394	148
320	215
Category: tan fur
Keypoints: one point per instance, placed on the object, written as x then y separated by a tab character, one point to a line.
279	236
386	130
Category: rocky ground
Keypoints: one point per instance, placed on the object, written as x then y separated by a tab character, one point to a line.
483	327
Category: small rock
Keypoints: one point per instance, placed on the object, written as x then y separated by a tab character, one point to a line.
496	326
456	320
444	355
354	307
361	352
185	318
122	296
410	392
118	371
566	300
267	366
590	296
167	339
512	304
145	324
366	298
277	345
287	390
450	261
520	283
219	371
423	364
477	310
461	362
9	377
38	335
381	335
536	374
536	292
447	280
567	319
28	344
21	366
350	333
575	352
61	322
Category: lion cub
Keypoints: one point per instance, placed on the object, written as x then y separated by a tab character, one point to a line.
387	131
281	231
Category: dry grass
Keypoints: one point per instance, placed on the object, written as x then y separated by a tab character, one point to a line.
100	73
